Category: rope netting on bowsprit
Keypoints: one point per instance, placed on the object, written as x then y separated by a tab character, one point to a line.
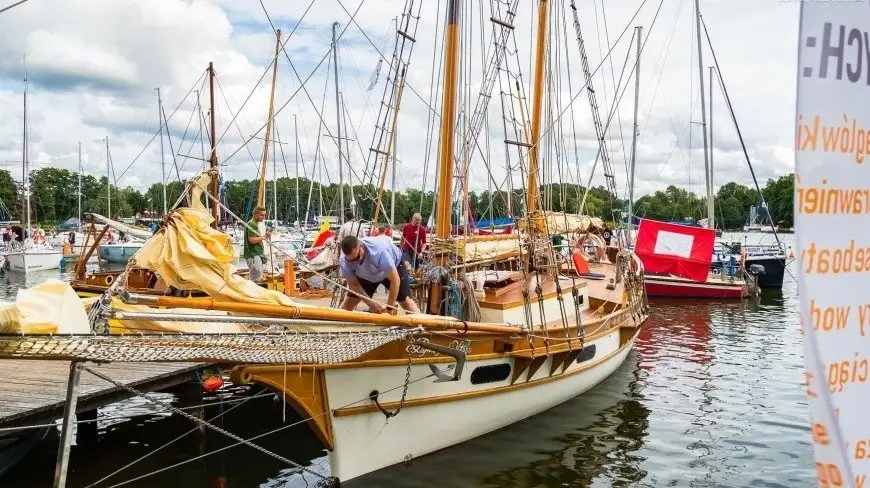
262	348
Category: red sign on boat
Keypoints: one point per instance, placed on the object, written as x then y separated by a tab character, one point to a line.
676	249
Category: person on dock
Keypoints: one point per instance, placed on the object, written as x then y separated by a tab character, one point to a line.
8	235
413	241
368	262
253	250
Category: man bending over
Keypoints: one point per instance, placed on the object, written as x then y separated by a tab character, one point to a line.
371	261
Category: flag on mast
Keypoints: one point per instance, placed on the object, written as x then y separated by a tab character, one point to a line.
373	80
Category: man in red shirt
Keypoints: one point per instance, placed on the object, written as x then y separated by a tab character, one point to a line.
413	241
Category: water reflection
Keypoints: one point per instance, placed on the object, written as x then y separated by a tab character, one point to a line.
711	396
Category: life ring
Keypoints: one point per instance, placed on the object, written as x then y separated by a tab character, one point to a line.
599	244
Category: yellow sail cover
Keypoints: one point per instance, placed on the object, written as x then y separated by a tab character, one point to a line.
190	255
51	307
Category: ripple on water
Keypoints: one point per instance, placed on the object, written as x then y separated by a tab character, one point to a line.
711	396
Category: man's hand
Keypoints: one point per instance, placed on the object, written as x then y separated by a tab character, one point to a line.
267	236
376	307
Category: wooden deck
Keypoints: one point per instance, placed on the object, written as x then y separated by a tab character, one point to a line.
34	391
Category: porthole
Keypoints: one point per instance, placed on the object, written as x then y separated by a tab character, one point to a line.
490	374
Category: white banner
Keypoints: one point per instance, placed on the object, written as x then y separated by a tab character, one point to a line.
832	220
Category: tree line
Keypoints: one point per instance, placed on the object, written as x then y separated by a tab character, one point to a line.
54	198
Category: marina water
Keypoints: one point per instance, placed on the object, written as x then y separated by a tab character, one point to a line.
711	396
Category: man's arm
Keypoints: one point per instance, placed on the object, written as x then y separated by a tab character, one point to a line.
395	283
355	287
255	239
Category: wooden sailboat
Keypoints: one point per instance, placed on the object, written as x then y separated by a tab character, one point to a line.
383	389
582	331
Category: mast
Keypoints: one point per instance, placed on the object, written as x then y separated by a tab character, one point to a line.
261	191
24	163
639	30
537	106
708	176
393	188
347	123
448	119
275	183
162	153
711	198
296	145
108	181
80	187
391	153
444	203
213	162
338	124
201	123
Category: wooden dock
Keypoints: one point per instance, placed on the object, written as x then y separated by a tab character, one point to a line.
34	391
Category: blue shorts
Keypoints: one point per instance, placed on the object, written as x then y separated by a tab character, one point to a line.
370	287
410	257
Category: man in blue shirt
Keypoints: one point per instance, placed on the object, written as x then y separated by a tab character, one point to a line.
368	262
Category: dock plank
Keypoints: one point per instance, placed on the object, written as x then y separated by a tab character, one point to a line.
35	390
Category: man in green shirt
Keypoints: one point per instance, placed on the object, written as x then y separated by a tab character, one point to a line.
253	252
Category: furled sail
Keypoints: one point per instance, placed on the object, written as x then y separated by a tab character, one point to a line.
562	222
188	254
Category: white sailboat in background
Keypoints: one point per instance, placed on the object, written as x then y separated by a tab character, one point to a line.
33	253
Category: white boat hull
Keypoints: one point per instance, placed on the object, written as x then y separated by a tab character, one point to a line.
367	442
33	261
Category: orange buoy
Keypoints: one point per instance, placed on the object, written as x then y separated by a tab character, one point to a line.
212	383
580	264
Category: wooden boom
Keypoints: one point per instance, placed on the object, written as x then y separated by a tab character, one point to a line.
322	313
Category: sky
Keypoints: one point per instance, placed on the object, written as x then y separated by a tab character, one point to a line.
93	67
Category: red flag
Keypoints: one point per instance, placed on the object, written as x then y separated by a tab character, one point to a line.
676	249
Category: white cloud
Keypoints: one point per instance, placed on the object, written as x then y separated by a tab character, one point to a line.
94	66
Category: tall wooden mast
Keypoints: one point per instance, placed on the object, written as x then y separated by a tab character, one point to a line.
444	204
537	105
261	192
448	120
213	161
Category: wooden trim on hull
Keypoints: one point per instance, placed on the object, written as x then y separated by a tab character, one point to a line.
416	402
498	347
305	391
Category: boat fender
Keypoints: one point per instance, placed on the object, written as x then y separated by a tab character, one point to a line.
212	383
757	269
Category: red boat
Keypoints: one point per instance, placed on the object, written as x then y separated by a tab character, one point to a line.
670	286
677	259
